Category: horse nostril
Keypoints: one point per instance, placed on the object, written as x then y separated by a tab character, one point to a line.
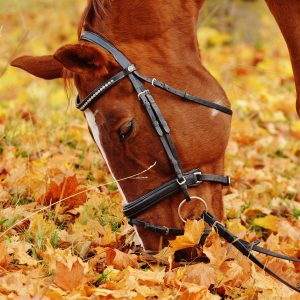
125	130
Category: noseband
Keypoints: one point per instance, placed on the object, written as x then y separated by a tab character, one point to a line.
182	180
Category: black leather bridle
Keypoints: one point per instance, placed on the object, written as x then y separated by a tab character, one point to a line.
183	180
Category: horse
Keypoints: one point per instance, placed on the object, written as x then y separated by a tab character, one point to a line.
160	38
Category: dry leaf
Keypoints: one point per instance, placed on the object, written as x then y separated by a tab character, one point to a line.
120	260
62	186
192	232
5	258
202	274
234	273
214	249
147	275
68	278
268	222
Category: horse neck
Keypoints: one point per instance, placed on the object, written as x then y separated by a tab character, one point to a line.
161	31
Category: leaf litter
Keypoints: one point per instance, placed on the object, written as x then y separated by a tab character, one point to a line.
82	247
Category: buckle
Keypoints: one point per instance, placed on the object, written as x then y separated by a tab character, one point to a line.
181	182
228	180
167	230
152	81
142	93
198	174
131	68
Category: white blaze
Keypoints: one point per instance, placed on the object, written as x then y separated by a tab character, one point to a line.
96	134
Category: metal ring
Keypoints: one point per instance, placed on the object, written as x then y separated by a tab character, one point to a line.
183	201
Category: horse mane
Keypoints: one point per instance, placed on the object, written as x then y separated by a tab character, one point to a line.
93	8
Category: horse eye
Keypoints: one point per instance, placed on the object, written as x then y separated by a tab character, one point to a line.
125	131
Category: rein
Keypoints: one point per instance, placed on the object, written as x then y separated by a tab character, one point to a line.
183	180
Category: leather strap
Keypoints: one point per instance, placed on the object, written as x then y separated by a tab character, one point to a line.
156	228
108	46
164	230
182	94
192	179
224	180
245	248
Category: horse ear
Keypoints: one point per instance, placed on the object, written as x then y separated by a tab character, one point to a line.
45	67
83	58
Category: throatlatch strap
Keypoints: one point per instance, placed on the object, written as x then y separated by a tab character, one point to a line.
156	228
182	94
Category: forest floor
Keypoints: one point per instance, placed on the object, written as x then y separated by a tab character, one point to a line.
62	233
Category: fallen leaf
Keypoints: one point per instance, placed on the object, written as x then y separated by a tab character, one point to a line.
214	249
192	232
234	273
62	186
287	230
147	275
268	222
235	227
5	259
67	278
202	274
120	260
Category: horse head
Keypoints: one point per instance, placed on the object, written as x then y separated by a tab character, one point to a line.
160	39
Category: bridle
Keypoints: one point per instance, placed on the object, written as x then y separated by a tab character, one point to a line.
183	180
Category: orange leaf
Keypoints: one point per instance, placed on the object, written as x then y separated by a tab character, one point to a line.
67	278
192	232
62	186
201	274
120	260
214	250
5	258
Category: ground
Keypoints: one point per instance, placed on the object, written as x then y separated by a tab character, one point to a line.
62	231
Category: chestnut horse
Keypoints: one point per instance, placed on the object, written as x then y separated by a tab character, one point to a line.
159	37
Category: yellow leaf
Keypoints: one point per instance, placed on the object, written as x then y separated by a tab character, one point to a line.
235	227
296	127
192	232
147	276
268	222
39	226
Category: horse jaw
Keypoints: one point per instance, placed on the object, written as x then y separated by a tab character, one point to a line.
90	118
